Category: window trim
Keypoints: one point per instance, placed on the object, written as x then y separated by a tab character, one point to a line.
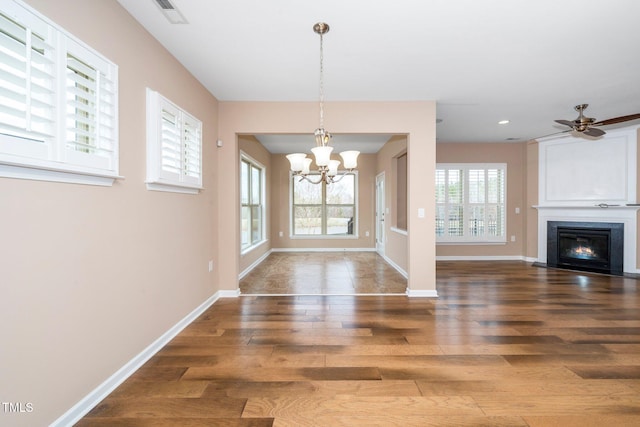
356	205
159	179
244	157
465	238
52	160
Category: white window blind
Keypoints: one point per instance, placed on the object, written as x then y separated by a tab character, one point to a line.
58	99
174	146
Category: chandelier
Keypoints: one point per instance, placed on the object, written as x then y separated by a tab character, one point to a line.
327	168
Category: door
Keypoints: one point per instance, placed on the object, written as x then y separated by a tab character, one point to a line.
380	211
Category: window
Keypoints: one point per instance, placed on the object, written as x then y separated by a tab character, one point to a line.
252	202
174	147
470	202
59	103
324	210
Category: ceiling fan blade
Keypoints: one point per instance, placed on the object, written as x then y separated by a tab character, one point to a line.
616	120
595	132
566	123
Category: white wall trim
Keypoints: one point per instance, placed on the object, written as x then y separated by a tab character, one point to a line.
422	293
323	249
396	266
483	258
572	161
80	409
254	264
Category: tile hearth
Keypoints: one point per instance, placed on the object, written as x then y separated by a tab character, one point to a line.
323	273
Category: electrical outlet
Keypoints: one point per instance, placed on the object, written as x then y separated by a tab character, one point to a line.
513	238
210	266
366	233
281	234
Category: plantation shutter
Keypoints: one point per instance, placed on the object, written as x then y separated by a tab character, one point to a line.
90	119
192	156
174	145
170	144
27	84
58	102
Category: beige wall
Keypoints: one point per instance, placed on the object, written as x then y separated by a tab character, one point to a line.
514	155
250	146
281	213
396	244
90	276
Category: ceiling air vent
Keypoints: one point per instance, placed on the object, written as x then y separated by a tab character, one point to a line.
172	14
165	4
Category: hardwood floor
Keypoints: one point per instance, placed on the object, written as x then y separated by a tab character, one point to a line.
323	273
505	344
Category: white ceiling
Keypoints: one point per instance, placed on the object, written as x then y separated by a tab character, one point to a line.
483	61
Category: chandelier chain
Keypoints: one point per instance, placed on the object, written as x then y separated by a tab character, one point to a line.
321	82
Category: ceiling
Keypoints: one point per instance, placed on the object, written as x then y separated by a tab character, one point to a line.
528	62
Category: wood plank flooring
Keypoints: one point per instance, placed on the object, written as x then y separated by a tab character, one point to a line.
505	344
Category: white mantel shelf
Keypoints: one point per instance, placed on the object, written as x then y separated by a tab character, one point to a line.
595	207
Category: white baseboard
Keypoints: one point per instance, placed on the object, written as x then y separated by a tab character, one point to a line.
422	293
323	249
254	264
229	293
80	409
482	258
396	266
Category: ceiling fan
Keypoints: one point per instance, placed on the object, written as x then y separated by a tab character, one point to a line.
585	125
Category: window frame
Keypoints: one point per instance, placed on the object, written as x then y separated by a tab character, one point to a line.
27	153
467	205
253	164
161	175
323	208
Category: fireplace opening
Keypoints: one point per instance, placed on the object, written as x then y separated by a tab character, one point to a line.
591	246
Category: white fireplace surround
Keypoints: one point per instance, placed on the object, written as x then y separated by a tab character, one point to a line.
589	180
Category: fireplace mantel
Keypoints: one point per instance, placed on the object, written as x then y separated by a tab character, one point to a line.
626	215
589	180
597	207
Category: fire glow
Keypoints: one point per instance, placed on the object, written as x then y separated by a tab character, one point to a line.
583	252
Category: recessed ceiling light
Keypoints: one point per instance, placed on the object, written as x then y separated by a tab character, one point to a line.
503	122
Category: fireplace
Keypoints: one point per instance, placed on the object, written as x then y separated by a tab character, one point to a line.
587	246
